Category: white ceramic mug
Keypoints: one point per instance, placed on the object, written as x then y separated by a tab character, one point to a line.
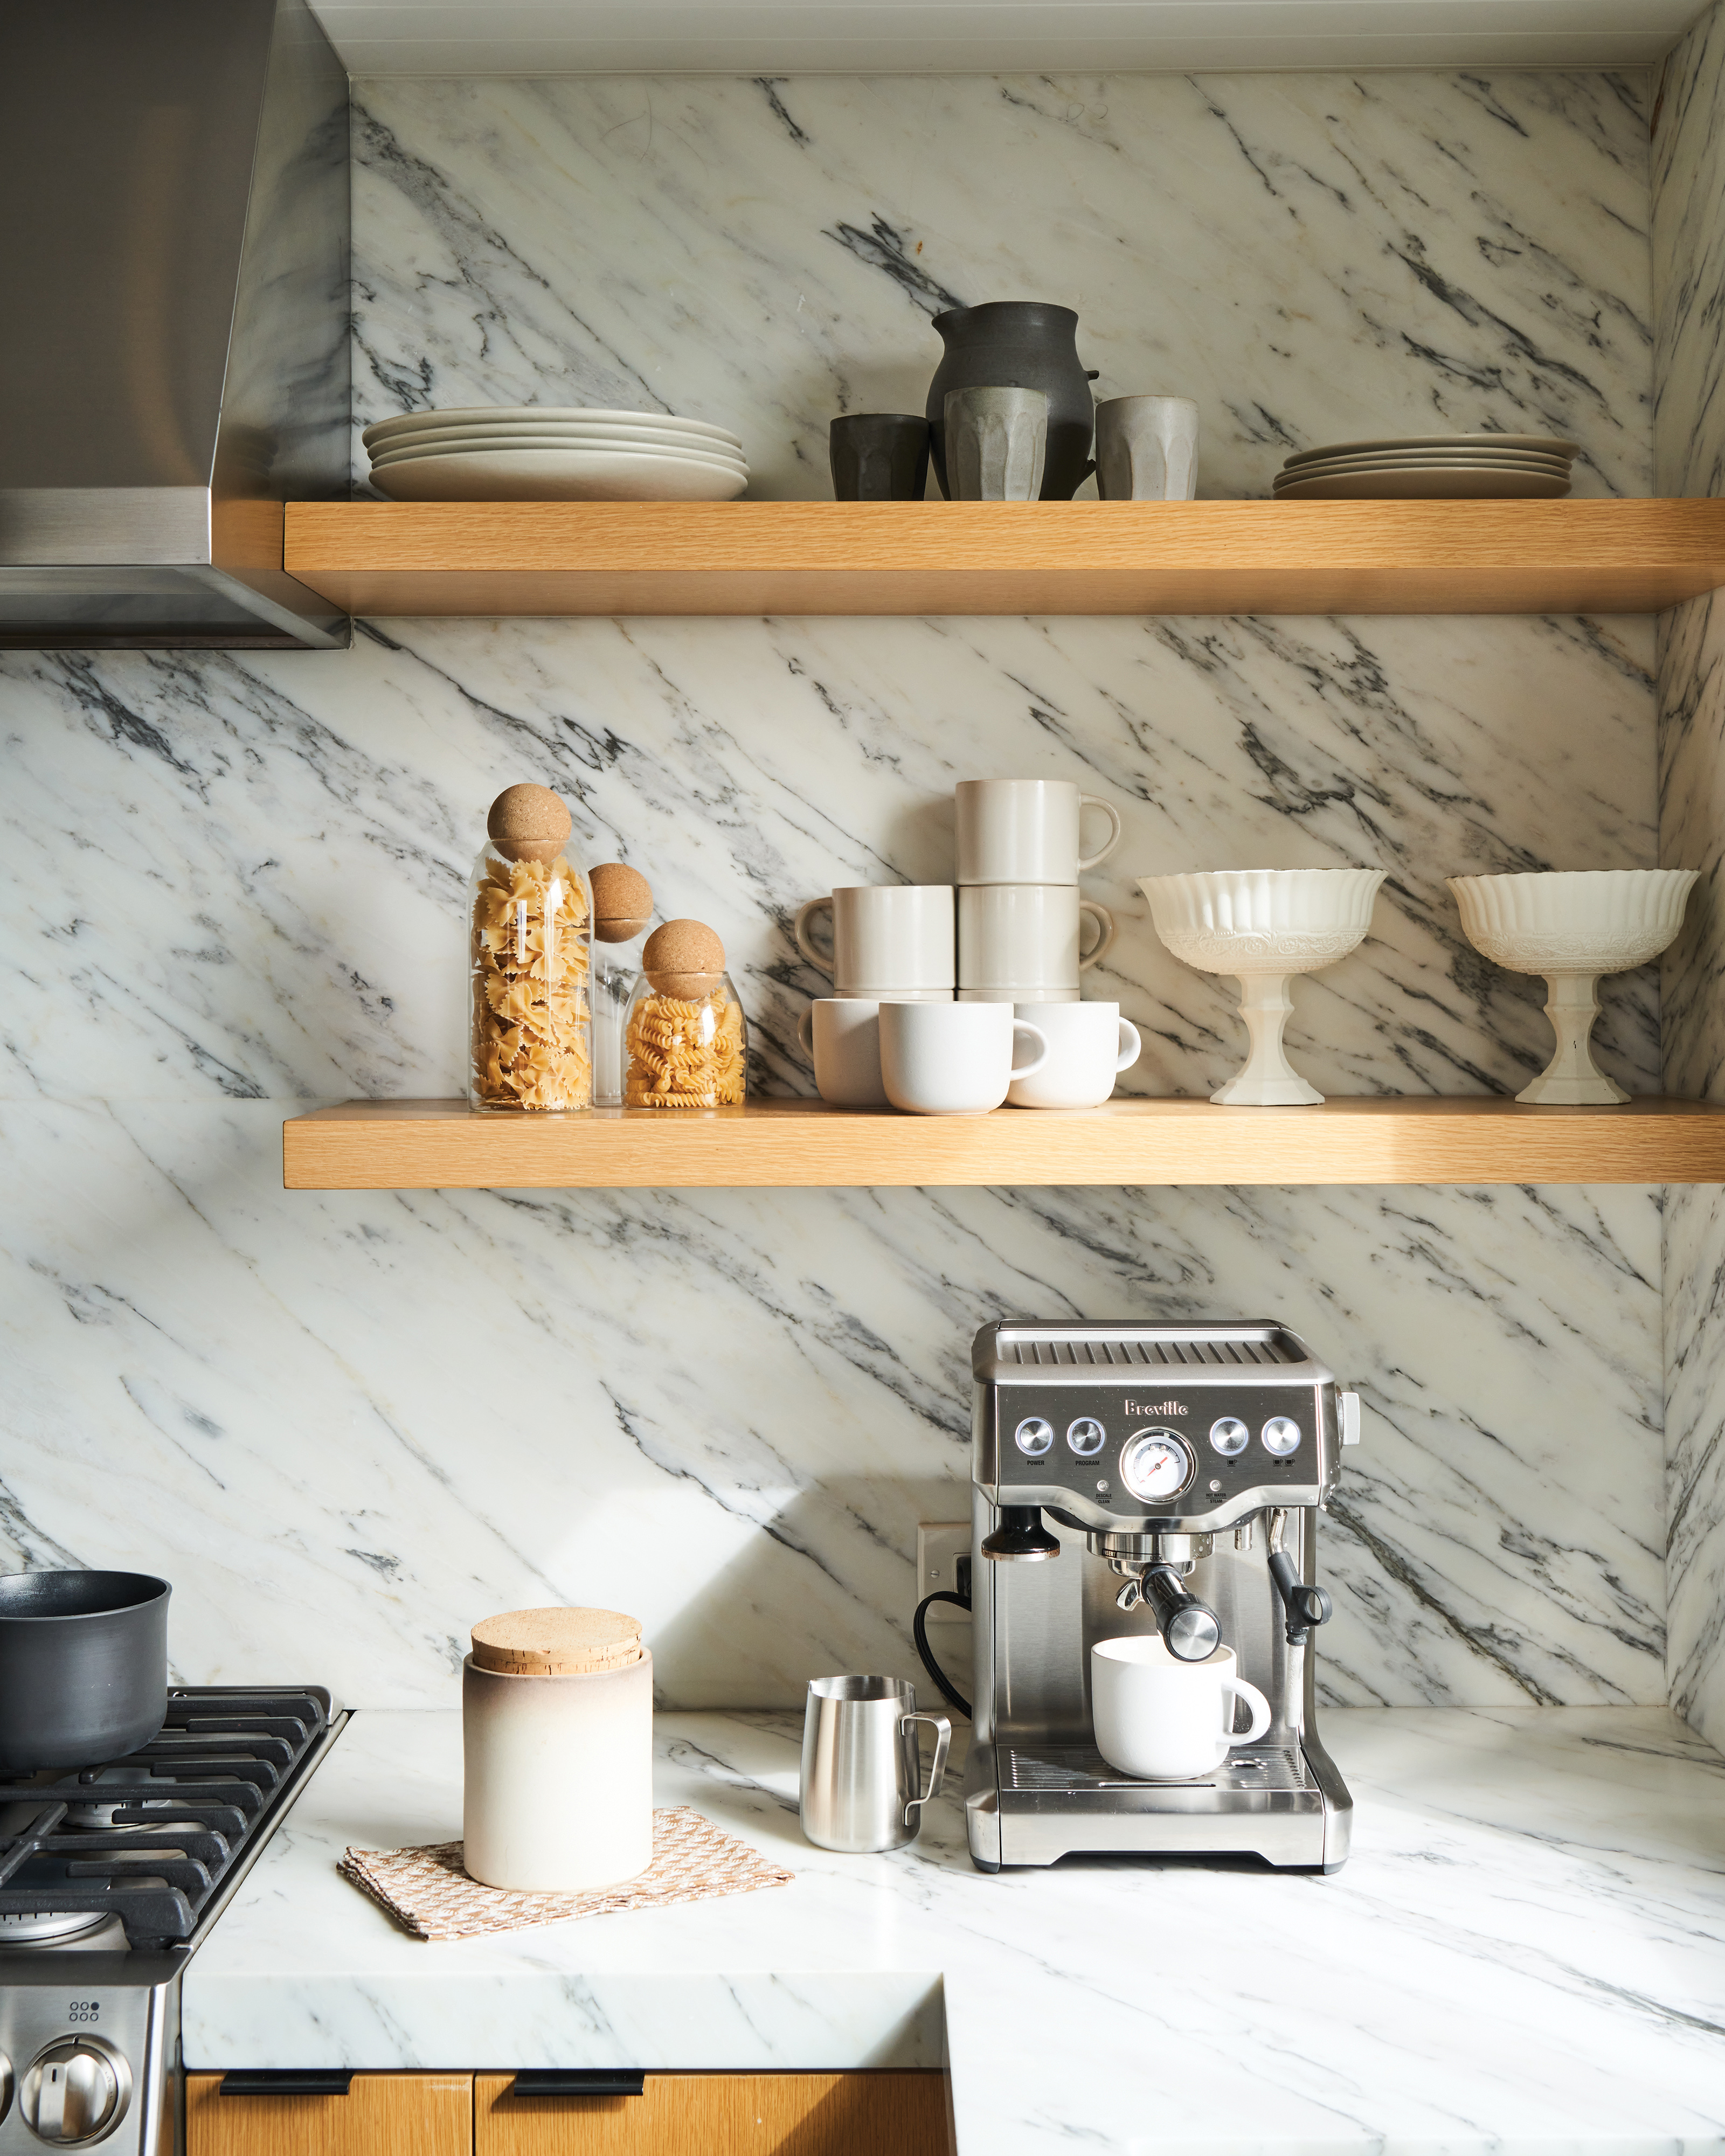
953	1059
1146	449
1088	1045
889	939
1025	830
1161	1720
843	1034
1025	936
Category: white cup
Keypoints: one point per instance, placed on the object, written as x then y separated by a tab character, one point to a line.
1146	449
1043	992
1024	936
953	1059
1163	1720
843	1034
1088	1045
1025	830
890	939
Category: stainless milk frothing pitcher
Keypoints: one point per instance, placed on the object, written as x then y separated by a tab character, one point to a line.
861	1763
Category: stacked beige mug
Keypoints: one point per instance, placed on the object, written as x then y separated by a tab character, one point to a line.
1020	915
1020	921
556	1728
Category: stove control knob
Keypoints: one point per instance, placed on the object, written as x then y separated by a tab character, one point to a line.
1155	1465
75	2092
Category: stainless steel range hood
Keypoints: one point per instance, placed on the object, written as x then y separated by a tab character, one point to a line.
173	320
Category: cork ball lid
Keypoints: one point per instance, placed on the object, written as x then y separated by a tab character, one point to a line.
556	1643
683	958
621	902
529	824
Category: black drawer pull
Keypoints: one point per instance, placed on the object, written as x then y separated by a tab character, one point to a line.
579	2081
289	2080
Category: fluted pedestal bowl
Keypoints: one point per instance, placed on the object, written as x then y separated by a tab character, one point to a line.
1572	926
1264	925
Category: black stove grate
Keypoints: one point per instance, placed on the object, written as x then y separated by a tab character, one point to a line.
149	1839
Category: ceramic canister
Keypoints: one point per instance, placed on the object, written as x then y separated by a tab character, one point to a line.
557	1730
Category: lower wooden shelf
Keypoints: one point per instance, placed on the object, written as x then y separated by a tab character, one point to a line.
427	1145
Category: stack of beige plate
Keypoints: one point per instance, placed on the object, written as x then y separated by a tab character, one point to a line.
1430	468
544	453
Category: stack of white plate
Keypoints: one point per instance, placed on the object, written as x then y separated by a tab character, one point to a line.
1430	468
542	453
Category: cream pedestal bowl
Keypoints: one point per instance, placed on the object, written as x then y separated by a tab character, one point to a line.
1264	925
1572	926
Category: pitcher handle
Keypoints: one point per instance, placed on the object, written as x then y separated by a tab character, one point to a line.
937	1773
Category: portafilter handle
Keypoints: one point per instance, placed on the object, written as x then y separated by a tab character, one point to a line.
1189	1627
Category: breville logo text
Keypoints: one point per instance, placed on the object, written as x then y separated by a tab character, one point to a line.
1156	1407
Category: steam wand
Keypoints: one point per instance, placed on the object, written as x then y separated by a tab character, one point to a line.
1305	1605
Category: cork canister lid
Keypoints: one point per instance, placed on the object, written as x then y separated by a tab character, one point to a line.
556	1643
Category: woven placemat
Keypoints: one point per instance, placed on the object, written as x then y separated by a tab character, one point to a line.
428	1891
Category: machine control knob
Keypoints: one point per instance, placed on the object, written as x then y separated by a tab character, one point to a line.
1155	1465
5	2085
1281	1437
75	2092
1086	1437
1229	1436
1034	1437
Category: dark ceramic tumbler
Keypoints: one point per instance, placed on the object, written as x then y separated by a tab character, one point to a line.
879	456
1020	344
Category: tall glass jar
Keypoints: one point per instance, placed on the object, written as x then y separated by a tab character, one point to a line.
530	915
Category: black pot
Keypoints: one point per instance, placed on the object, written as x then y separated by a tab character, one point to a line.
1020	344
83	1666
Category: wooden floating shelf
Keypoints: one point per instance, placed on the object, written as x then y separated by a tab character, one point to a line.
1061	558
423	1145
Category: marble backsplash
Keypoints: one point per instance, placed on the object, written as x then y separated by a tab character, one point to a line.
347	1424
1689	292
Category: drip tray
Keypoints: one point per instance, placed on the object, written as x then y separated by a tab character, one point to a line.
1078	1770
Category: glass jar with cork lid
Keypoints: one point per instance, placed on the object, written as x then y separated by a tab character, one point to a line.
530	916
686	1042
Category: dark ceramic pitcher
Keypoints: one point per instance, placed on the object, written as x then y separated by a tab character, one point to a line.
1019	344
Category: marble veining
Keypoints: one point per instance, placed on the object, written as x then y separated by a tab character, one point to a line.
1316	258
1526	1951
1689	286
349	1424
1688	172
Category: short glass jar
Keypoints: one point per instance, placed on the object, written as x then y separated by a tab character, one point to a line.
530	938
688	1050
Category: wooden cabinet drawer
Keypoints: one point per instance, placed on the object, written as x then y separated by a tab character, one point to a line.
852	2114
381	2115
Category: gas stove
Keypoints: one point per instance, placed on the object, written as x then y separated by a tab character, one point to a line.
109	1879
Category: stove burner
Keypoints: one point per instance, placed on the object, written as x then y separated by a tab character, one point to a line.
146	1842
37	1928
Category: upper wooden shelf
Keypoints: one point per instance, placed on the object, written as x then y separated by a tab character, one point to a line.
425	1145
888	557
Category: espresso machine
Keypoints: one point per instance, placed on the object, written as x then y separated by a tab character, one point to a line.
1137	1477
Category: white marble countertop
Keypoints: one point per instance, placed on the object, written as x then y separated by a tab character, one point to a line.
1525	1953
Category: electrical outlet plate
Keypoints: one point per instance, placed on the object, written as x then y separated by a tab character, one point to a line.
940	1544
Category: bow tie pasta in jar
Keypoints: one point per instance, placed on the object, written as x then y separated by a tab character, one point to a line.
686	1042
530	936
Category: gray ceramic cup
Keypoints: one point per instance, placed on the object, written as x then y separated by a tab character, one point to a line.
996	442
1146	449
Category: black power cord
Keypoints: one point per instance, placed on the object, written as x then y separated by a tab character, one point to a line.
919	1633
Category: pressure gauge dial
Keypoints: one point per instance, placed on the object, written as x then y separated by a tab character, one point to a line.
1155	1465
